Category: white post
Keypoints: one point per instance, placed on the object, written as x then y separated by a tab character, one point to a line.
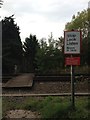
72	86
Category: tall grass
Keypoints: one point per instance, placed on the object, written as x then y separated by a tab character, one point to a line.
53	107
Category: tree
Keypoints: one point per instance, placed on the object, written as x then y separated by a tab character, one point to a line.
11	46
49	58
82	22
51	40
43	43
59	44
1	3
30	48
88	37
79	22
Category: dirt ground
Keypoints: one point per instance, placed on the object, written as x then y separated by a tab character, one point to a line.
22	114
44	87
49	87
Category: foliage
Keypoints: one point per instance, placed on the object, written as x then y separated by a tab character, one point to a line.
41	56
11	46
54	108
30	49
49	57
81	107
50	107
79	22
1	3
88	38
82	22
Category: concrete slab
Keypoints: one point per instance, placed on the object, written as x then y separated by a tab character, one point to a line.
25	80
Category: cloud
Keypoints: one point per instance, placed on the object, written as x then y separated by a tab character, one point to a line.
41	17
53	9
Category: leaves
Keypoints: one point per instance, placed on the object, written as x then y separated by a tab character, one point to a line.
1	3
49	57
82	22
30	48
79	22
11	45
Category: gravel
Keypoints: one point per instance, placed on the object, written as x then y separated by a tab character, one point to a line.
49	87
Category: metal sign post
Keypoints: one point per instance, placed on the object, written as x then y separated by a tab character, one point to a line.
72	86
72	45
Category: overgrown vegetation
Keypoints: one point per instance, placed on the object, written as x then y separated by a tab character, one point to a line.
41	56
50	107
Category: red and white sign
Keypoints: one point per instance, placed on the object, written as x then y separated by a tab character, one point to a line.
72	42
72	61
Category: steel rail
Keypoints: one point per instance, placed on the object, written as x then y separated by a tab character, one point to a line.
43	95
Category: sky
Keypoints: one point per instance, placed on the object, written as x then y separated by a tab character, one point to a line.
41	17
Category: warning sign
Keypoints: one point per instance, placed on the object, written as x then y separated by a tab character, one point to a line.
72	42
72	61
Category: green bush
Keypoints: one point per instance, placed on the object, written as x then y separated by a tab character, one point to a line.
52	107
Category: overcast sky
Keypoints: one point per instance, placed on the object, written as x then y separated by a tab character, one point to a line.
41	17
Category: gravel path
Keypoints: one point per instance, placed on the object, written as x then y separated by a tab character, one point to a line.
22	114
49	87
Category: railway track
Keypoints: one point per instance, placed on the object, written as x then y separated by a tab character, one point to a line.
45	85
61	77
44	95
41	87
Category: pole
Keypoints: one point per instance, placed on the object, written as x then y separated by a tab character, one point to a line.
72	86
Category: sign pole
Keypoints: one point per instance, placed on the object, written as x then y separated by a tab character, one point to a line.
72	45
72	86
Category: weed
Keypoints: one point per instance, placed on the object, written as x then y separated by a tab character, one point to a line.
52	107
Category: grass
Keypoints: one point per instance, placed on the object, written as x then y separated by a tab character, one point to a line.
51	107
